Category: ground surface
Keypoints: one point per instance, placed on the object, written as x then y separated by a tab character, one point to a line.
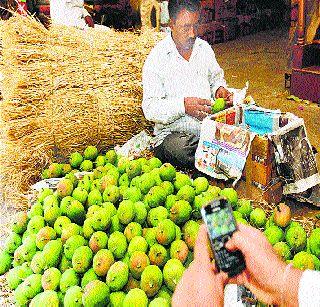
260	59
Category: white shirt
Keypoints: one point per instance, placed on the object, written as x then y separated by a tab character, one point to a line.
309	289
68	13
168	78
308	292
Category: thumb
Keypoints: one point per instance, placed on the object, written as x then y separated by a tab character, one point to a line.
243	238
238	242
201	252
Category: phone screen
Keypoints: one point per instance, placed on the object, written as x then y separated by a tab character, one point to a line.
220	221
221	224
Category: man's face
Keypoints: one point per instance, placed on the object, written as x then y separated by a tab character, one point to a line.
185	29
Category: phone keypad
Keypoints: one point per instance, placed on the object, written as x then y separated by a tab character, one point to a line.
218	245
228	259
225	258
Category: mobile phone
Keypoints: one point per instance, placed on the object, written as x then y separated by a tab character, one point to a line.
221	224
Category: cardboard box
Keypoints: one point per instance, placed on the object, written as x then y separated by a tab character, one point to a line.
261	173
260	168
261	162
262	150
274	193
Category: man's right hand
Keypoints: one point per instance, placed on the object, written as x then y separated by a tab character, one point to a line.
265	274
197	107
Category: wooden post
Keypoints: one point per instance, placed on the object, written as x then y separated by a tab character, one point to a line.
301	23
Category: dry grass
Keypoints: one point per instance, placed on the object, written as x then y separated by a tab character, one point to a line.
6	220
6	295
63	90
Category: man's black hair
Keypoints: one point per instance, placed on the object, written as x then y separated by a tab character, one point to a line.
175	6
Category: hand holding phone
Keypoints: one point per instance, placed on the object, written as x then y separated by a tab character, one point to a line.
221	224
200	284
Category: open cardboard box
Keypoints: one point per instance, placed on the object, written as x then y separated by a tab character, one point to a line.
261	154
278	147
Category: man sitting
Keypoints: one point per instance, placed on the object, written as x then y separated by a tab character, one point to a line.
180	77
70	13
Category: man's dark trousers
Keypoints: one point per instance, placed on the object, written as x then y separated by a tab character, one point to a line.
178	149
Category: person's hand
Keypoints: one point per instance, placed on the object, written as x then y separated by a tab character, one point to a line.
197	107
200	285
265	274
89	21
224	93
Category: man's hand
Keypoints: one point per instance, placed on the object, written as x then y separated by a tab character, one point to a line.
197	107
200	285
224	93
89	21
265	274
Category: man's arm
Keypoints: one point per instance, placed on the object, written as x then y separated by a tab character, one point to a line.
89	21
157	107
88	18
79	13
56	12
85	14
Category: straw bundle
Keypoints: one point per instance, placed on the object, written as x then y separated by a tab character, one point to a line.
64	89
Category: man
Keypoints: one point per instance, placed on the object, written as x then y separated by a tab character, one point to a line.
70	13
180	77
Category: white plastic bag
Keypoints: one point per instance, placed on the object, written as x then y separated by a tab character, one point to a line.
135	146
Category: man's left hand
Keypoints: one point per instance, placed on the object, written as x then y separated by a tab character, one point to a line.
224	93
89	21
200	284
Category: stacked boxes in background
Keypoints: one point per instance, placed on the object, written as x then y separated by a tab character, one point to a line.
218	20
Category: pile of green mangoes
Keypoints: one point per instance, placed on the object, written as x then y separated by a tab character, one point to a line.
123	234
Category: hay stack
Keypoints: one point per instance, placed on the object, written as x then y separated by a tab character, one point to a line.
63	90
